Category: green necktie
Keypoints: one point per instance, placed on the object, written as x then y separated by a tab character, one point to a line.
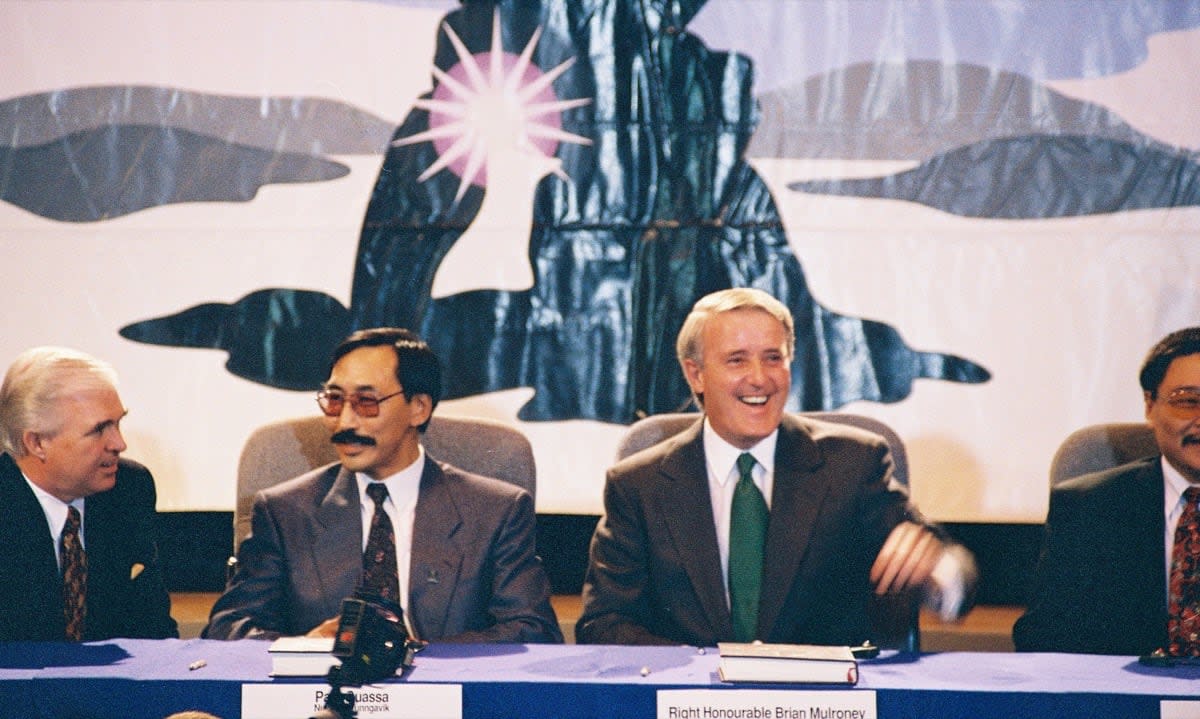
747	537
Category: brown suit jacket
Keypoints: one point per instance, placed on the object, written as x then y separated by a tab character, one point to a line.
654	574
474	576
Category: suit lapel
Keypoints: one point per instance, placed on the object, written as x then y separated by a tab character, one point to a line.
337	540
30	573
686	507
103	562
1145	512
26	520
799	490
436	561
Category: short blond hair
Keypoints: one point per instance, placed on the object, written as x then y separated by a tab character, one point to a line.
34	383
689	345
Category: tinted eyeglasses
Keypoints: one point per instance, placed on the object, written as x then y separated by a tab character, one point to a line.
1184	403
332	401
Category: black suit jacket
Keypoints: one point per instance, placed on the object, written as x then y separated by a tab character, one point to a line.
125	592
474	574
654	574
1101	582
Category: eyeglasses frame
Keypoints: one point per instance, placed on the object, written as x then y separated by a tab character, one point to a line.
355	400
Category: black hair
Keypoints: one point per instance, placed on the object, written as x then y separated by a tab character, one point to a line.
1180	343
417	368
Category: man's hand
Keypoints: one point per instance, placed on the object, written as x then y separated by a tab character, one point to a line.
327	628
907	558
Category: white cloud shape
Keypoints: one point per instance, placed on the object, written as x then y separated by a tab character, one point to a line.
1160	97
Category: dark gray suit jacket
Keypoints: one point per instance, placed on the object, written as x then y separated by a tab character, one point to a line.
654	574
1101	583
125	592
474	576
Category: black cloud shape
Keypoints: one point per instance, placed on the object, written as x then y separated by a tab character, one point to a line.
279	337
116	170
930	108
1036	177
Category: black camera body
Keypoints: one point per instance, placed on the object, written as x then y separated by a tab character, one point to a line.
371	640
372	643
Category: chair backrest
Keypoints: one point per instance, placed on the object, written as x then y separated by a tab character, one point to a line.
1101	446
288	448
649	431
895	618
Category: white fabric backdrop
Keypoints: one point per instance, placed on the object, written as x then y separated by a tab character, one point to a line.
1060	311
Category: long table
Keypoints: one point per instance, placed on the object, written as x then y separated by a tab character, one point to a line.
140	679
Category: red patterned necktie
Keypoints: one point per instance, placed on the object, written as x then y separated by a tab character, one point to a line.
74	574
1183	609
379	558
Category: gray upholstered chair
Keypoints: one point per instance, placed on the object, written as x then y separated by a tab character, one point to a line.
289	448
895	618
1101	446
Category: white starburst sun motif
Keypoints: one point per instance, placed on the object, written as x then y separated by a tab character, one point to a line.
494	115
489	103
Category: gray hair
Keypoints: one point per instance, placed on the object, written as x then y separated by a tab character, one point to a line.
689	344
35	382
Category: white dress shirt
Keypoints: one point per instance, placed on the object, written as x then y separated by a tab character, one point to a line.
401	508
723	477
56	517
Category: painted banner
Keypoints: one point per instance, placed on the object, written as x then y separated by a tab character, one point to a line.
981	213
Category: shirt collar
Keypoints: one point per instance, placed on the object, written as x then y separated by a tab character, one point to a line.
54	508
722	456
405	481
1174	484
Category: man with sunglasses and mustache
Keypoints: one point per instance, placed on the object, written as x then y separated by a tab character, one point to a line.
1118	573
458	557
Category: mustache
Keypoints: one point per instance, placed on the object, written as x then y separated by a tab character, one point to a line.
347	436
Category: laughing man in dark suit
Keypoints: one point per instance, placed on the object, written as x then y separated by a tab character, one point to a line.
836	522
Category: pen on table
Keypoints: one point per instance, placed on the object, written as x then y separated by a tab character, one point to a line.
198	664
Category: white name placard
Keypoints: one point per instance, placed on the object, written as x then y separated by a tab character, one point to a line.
766	704
374	701
1179	709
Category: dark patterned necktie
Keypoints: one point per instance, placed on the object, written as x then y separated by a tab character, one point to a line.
747	537
379	558
1183	610
74	574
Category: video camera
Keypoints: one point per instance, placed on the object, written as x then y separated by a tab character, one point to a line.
372	643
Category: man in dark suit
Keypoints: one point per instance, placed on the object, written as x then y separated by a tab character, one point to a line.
61	476
461	558
1102	581
668	560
